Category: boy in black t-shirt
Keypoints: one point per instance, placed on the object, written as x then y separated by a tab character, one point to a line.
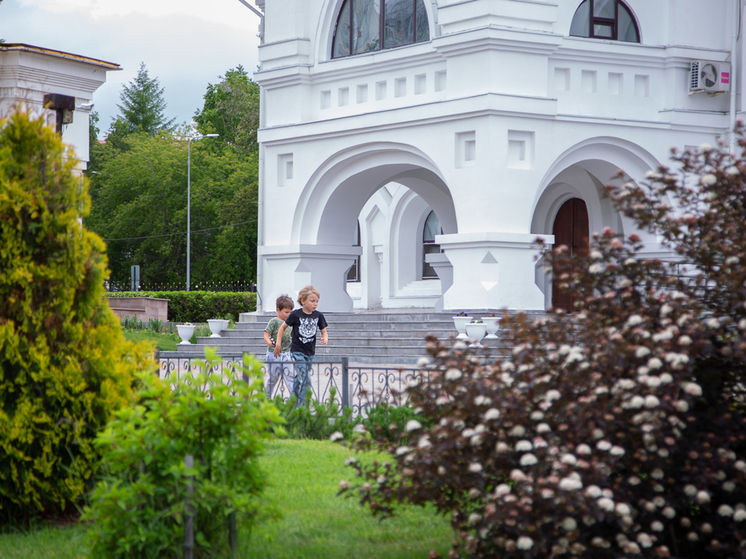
305	322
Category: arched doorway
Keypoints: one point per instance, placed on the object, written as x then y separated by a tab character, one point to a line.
570	229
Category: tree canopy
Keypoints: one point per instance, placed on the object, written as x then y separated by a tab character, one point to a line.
140	197
142	105
139	190
232	110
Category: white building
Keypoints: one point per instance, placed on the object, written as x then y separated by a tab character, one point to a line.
64	83
495	121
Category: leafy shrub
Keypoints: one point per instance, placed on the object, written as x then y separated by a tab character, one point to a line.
199	306
138	508
388	422
614	431
153	325
64	364
315	420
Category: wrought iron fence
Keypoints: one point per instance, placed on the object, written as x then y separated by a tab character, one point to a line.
358	387
214	286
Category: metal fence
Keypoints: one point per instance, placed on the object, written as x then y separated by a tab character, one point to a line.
214	286
358	387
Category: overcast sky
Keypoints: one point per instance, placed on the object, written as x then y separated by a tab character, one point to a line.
186	44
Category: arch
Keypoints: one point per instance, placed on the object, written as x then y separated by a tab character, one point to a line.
611	20
332	199
330	12
581	172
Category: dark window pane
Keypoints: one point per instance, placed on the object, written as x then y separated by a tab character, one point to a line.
602	30
604	8
432	228
366	22
626	29
581	21
353	274
398	23
342	35
423	28
428	272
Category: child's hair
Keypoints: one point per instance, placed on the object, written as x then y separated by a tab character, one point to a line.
284	302
306	291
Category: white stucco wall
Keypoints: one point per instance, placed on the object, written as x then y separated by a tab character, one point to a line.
493	123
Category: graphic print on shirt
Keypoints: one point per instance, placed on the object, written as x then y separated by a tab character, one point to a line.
307	329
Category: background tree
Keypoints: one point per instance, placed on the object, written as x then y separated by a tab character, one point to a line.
139	192
141	203
618	430
142	106
65	367
231	109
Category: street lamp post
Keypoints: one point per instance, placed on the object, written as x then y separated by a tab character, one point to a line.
189	197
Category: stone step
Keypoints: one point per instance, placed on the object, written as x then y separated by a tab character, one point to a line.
377	337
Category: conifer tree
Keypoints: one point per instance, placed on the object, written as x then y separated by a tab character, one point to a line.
65	367
142	105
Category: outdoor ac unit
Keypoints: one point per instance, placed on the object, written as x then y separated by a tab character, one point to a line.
712	77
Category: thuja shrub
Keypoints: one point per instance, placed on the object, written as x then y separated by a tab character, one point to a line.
139	507
64	364
614	431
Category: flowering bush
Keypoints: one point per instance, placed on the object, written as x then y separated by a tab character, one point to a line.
617	430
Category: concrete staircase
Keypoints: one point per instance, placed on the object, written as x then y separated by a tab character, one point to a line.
391	337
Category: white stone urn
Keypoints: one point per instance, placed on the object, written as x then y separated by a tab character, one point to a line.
475	331
460	322
492	324
186	331
216	325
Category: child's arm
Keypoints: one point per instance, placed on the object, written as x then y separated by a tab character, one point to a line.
278	344
268	340
324	336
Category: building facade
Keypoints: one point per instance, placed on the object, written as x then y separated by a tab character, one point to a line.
411	151
58	84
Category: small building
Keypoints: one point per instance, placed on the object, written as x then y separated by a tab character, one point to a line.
60	84
413	150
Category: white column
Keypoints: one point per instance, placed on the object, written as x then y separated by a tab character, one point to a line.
492	271
287	269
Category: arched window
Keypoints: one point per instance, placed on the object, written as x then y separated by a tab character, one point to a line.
605	19
432	228
353	274
369	25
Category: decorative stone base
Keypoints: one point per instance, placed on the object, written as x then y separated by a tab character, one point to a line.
142	308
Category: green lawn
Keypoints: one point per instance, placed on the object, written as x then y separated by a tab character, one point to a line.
166	342
304	478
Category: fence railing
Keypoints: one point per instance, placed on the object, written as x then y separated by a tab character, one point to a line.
215	286
358	387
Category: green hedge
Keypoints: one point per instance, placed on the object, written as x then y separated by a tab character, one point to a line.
199	306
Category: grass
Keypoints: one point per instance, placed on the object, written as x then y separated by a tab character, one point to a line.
163	341
315	524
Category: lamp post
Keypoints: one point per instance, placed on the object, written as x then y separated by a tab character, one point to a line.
189	197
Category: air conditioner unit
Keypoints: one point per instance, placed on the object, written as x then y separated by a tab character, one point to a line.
712	77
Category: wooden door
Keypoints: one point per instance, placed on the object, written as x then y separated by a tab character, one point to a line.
570	229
